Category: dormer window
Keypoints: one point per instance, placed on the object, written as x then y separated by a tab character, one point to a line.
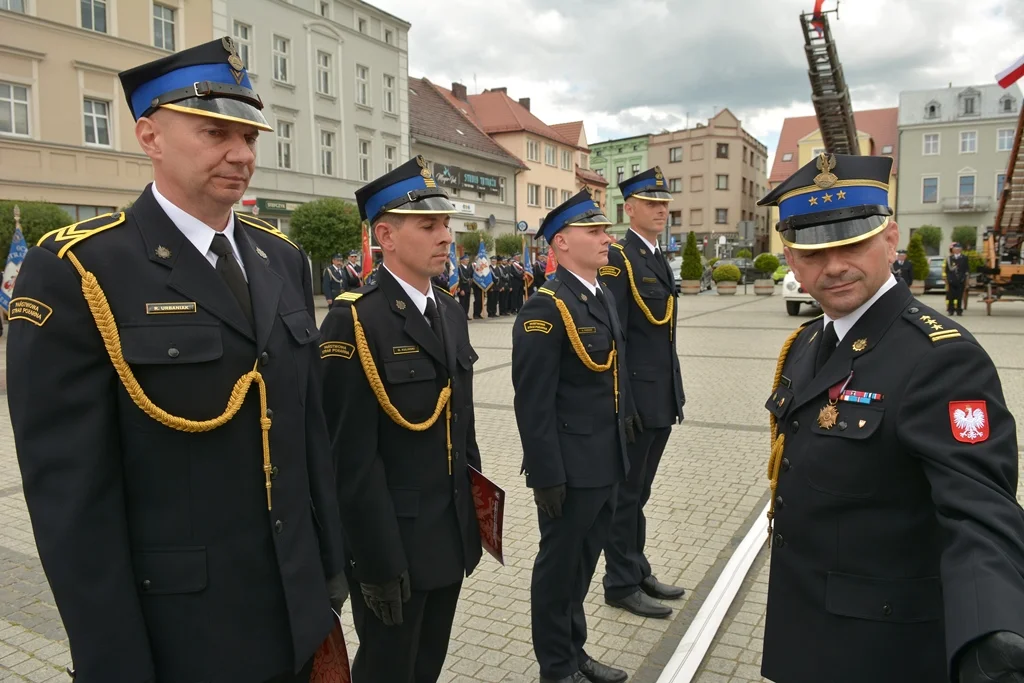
970	102
932	110
1007	104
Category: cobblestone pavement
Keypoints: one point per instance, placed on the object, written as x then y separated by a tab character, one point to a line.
710	484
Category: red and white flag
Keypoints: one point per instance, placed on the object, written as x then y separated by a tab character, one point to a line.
1012	73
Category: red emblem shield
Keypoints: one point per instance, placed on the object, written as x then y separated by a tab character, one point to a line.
969	421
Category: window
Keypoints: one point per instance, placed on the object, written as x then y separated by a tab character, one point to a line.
931	144
389	94
620	174
323	73
94	15
79	212
696	183
932	110
929	190
599	171
721	216
325	9
13	6
362	24
584	161
363	85
788	156
532	150
13	109
1000	183
284	144
533	194
619	217
968	142
243	39
721	182
675	218
817	151
966	186
886	149
566	196
722	150
97	122
550	197
501	190
390	157
549	155
970	106
327	152
675	184
282	47
635	170
389	36
365	148
675	155
696	216
697	151
163	27
566	160
1007	105
1004	140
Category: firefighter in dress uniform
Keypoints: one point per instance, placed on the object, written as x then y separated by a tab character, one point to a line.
333	281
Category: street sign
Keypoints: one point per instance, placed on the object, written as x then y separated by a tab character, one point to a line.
521	226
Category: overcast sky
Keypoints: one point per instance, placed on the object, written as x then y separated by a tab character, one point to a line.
637	67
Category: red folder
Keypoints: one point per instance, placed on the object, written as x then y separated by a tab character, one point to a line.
489	501
330	664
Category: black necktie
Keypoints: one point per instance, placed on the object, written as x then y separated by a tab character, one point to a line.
825	347
229	269
664	263
434	318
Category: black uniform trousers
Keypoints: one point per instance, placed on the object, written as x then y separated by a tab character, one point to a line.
478	303
492	301
569	549
955	296
625	563
412	652
464	299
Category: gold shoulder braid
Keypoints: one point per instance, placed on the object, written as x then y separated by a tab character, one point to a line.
581	353
373	377
778	440
107	326
669	305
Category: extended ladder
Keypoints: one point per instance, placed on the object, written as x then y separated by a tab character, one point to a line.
829	93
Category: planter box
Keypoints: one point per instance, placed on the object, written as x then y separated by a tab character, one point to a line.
689	286
764	287
725	287
917	289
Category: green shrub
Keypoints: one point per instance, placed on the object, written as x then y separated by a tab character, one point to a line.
726	273
691	268
931	236
507	244
37	219
917	258
470	242
744	253
766	263
713	261
966	235
974	261
328	226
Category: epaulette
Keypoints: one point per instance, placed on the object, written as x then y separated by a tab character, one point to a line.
442	289
60	240
349	298
260	224
550	287
938	328
618	246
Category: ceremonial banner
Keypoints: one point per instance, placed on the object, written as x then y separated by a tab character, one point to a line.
482	275
367	254
14	258
527	270
453	272
552	264
1011	74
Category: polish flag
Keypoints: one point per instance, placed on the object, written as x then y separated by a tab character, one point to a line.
1012	74
816	20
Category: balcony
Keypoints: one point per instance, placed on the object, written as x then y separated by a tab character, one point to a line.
967	204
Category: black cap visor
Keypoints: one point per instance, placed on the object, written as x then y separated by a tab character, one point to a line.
223	108
652	195
588	219
835	234
424	205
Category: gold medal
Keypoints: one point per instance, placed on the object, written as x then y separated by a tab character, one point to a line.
827	416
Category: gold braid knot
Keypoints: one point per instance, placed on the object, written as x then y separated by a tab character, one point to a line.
107	327
778	441
669	305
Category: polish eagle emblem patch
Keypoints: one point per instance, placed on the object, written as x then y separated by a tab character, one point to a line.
969	421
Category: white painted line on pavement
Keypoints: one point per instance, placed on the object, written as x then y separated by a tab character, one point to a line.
697	639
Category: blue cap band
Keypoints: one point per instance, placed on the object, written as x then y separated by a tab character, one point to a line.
144	95
833	198
567	216
390	193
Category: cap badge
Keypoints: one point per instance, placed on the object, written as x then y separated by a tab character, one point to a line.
236	62
421	161
826	178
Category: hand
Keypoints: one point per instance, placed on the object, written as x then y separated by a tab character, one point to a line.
633	427
995	658
549	500
385	600
337	589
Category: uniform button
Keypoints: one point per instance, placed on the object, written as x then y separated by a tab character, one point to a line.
278	526
842	425
913	309
778	502
455	417
273	472
886	609
785	464
795	424
264	358
779	540
146	584
173	352
412	373
270	414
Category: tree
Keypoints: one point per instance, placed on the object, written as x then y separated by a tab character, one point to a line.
691	268
37	219
743	253
325	227
916	256
966	235
766	263
508	244
931	238
470	242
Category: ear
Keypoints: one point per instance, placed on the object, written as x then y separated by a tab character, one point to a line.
383	232
148	133
629	208
791	259
891	235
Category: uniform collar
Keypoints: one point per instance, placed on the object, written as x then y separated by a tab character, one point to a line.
652	247
592	288
846	323
418	298
198	233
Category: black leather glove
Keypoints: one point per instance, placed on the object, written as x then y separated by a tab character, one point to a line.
550	500
995	658
337	589
634	427
385	600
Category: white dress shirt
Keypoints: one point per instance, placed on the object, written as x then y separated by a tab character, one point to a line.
652	247
199	233
846	323
592	288
419	299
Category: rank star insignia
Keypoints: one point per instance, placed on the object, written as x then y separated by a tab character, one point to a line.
827	197
860	345
841	194
162	252
813	200
400	305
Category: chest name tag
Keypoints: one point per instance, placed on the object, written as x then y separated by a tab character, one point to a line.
24	308
650	280
336	349
172	307
587	330
404	350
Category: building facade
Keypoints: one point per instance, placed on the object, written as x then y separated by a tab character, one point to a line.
478	174
66	133
955	147
616	160
800	142
586	179
716	172
333	76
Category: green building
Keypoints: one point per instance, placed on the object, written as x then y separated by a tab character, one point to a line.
617	160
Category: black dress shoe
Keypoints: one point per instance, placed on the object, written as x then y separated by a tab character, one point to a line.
596	672
661	591
577	677
639	604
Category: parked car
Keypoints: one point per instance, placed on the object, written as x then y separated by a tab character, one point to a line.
747	270
936	279
706	281
794	295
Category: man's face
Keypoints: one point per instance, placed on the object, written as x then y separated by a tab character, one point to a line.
352	259
956	251
647	215
417	241
336	262
207	160
842	278
586	245
901	257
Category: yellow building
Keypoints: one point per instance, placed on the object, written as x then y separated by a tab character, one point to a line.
800	142
66	134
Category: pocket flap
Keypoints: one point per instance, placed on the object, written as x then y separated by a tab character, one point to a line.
467	356
855	421
779	401
171	344
406	502
405	371
897	600
596	342
302	327
171	570
575	424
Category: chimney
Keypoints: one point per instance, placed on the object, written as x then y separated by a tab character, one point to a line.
524	102
459	91
503	90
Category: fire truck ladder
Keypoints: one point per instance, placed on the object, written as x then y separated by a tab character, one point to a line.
829	93
1003	242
